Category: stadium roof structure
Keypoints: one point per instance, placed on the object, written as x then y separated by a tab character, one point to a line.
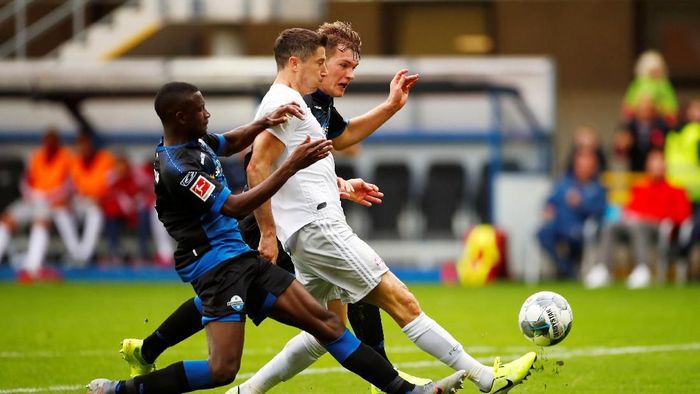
70	83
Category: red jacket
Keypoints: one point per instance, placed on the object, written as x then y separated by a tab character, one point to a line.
657	200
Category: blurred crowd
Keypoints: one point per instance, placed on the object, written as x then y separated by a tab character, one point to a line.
84	193
645	189
95	199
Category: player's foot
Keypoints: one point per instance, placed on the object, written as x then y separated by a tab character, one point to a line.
413	379
102	386
407	377
640	277
131	353
507	376
598	276
446	385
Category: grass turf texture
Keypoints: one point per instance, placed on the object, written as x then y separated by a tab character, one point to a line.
68	334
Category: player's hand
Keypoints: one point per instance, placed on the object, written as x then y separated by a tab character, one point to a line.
363	193
282	114
268	248
308	152
399	88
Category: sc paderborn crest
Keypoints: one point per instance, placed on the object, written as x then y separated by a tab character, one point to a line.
236	303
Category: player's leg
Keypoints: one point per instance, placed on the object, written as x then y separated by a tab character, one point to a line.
366	323
225	349
298	308
298	354
393	296
224	293
184	322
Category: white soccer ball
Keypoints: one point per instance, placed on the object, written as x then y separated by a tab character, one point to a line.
545	318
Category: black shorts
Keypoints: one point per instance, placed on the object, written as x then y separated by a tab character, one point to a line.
246	285
251	235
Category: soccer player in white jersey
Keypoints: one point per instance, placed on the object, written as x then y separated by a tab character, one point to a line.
331	261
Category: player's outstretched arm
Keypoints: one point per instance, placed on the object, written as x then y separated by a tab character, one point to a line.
303	156
241	137
362	126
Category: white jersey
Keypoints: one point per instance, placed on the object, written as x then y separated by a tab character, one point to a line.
311	193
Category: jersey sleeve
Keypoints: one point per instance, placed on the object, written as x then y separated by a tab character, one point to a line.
196	189
216	142
283	130
336	124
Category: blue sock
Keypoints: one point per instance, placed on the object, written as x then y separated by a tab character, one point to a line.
198	374
367	363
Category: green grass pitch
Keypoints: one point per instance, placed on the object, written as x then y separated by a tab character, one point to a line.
56	338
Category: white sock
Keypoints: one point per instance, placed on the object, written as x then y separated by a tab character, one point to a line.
94	220
69	233
435	340
297	355
4	239
38	243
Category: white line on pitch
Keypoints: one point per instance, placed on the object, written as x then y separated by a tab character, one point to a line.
553	353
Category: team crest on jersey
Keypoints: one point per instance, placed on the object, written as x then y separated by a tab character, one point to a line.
202	188
236	303
188	178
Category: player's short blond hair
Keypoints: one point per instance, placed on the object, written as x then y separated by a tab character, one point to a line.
341	36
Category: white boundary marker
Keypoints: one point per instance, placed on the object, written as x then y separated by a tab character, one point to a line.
551	354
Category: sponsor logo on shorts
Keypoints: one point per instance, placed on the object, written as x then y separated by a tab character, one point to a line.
202	188
380	263
236	303
188	178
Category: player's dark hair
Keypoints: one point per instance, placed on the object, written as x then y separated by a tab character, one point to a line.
170	96
341	36
298	42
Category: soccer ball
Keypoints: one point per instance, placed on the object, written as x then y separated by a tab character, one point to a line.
545	318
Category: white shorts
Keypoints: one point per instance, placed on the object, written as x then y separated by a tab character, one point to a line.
332	262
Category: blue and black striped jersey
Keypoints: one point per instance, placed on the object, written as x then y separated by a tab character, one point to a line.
190	191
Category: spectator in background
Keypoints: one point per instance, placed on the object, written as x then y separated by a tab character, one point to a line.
577	197
652	201
44	197
644	132
148	224
587	138
682	153
651	80
120	206
90	172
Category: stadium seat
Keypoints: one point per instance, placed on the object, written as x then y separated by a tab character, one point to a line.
394	180
483	196
10	175
443	194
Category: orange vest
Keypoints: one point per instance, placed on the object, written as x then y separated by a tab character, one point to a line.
92	179
47	174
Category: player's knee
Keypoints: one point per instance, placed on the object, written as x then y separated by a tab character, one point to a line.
409	304
224	371
332	327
